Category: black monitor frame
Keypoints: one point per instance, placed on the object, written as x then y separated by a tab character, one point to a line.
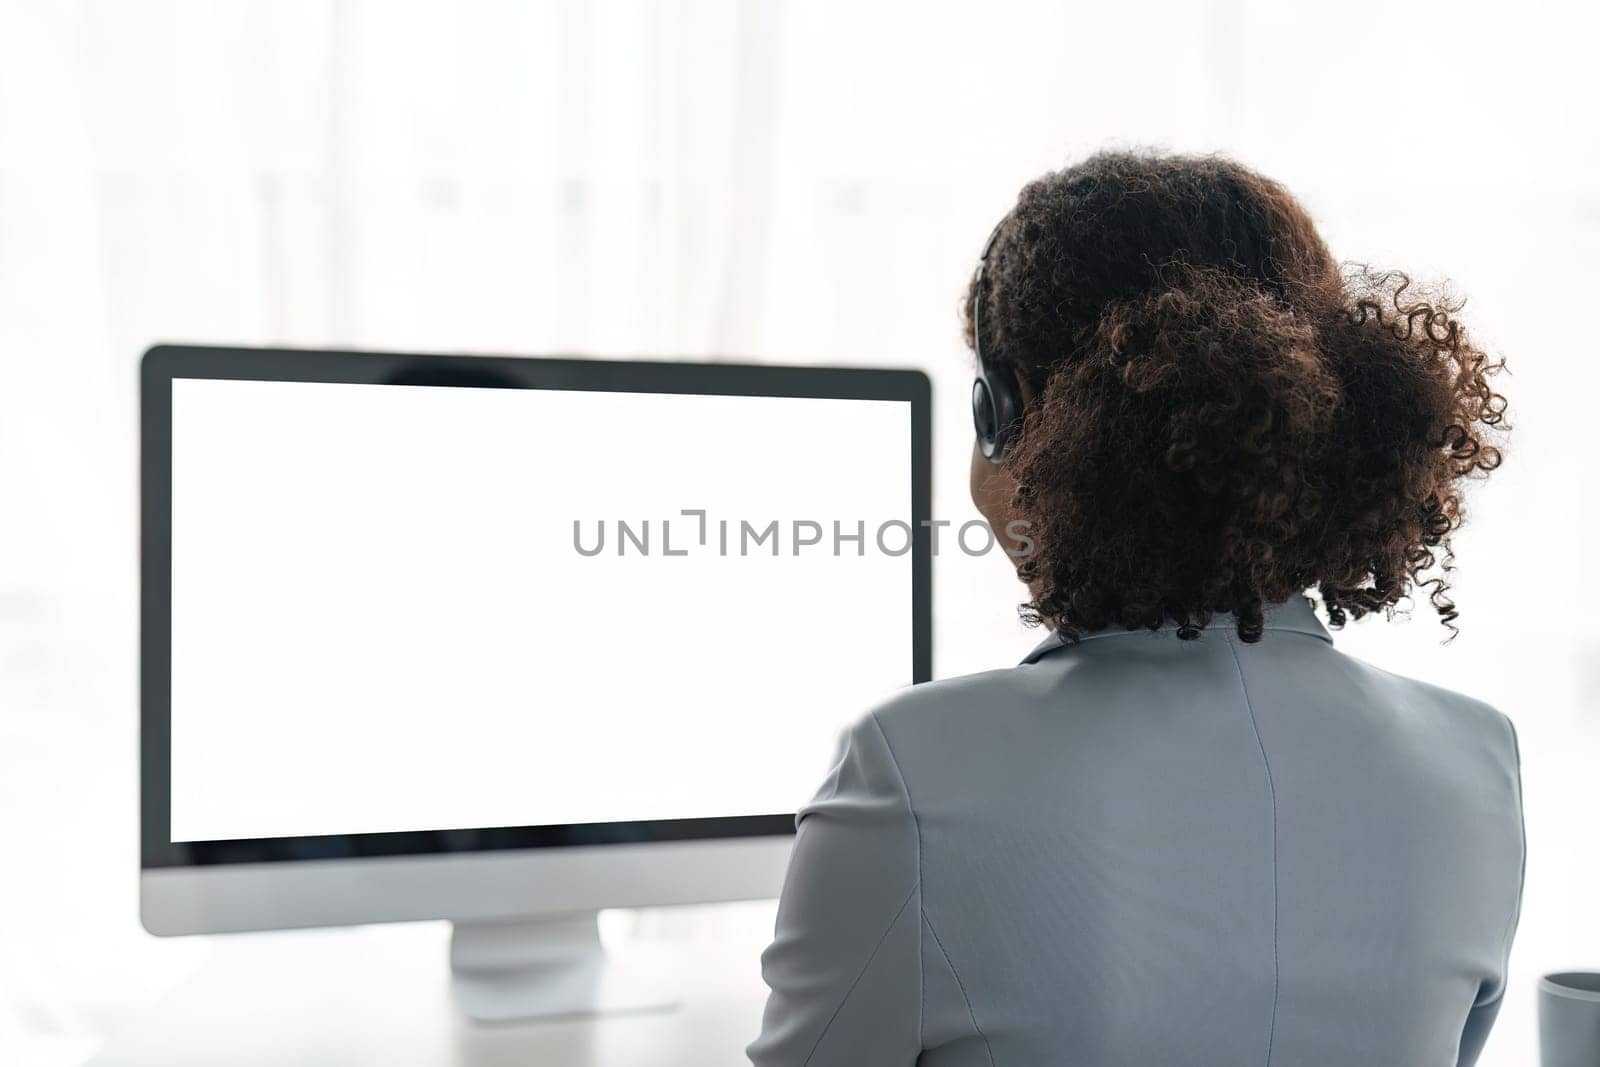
164	363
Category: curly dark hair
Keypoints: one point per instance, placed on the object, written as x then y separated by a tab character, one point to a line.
1222	416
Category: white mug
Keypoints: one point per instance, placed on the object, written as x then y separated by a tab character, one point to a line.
1569	1019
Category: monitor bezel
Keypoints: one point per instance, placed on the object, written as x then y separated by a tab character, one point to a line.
164	363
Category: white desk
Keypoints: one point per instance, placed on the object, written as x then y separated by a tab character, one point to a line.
381	995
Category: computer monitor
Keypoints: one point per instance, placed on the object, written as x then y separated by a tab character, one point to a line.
507	641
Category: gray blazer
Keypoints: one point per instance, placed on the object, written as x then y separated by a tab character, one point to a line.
1145	851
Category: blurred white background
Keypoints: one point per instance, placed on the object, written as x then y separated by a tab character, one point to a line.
800	182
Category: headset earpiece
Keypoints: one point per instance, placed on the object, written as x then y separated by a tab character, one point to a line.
996	396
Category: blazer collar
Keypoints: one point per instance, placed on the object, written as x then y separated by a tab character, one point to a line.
1294	615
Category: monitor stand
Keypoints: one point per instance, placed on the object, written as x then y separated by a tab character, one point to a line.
540	968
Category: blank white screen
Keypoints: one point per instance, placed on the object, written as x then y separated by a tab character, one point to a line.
380	621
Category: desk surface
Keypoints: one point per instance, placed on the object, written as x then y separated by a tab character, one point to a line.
382	995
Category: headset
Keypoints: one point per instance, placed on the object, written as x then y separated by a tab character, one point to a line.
996	396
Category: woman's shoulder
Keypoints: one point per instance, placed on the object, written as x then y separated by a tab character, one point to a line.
952	715
946	696
1429	703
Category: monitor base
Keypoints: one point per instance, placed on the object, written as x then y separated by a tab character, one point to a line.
544	968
